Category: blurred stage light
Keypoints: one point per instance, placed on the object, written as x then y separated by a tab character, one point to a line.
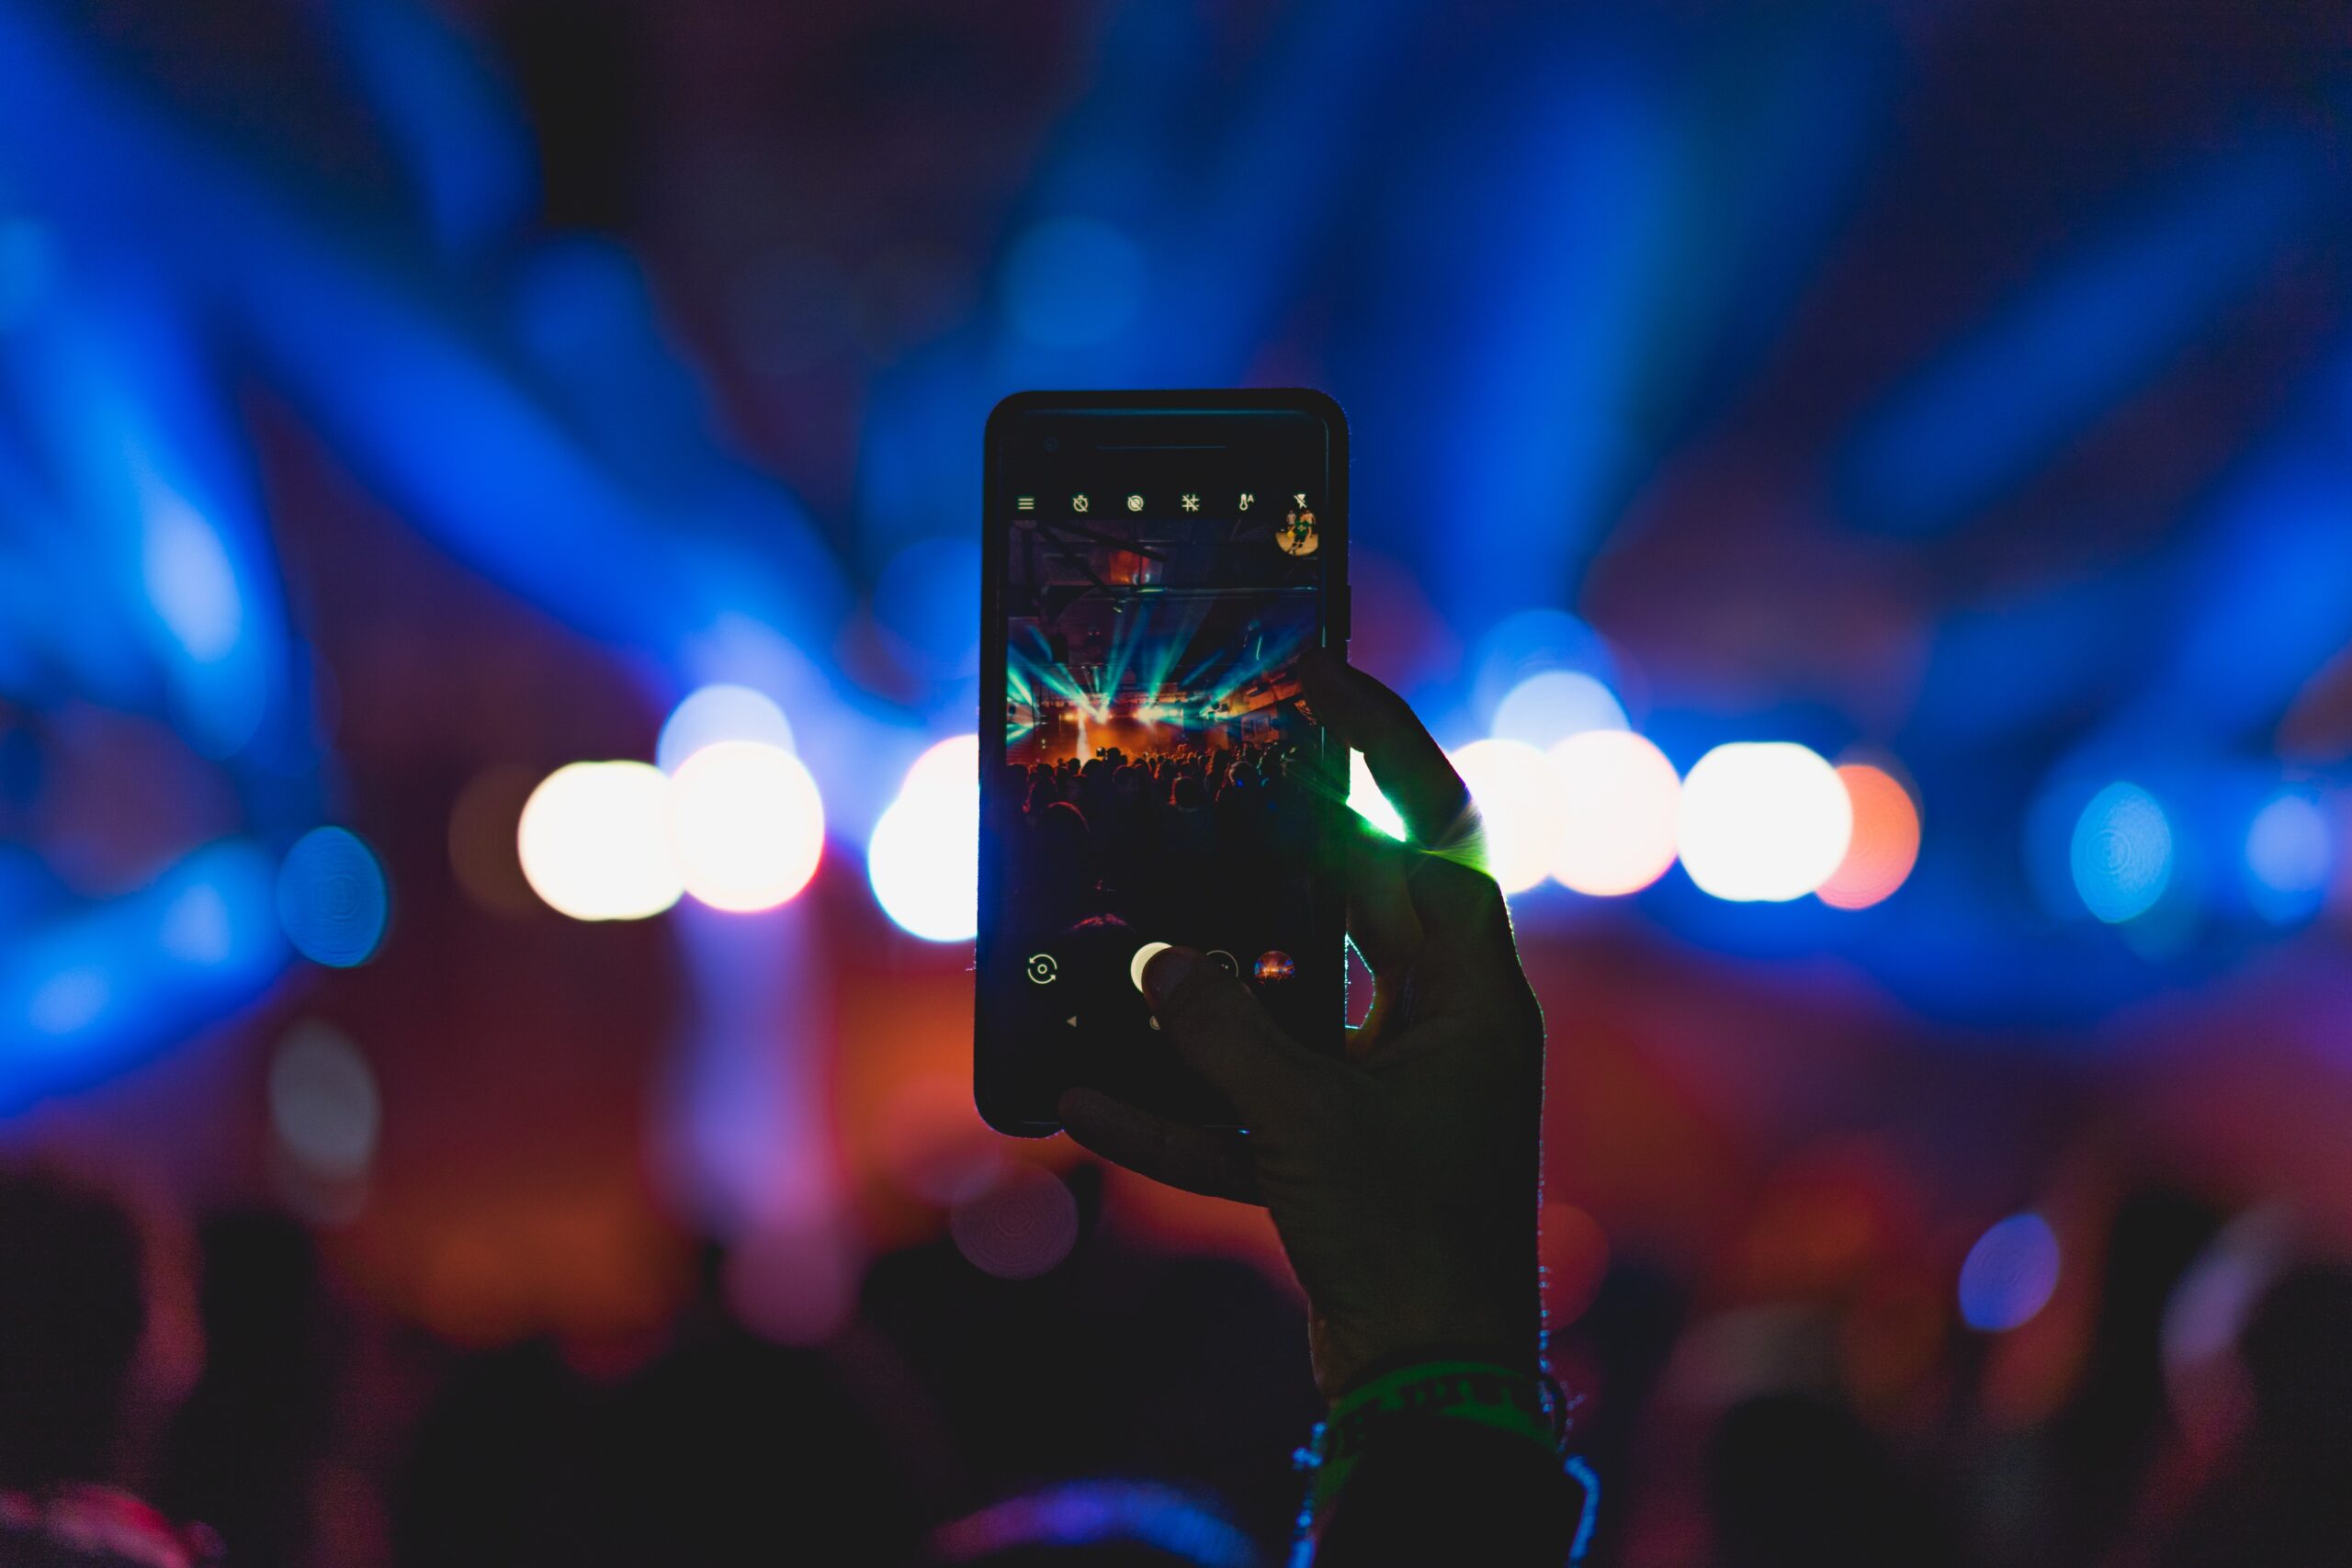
196	926
1530	643
2122	853
713	713
947	768
1125	1521
789	1279
2289	857
2010	1274
1069	282
920	862
923	859
750	827
332	897
1885	842
596	842
188	577
69	1001
1618	801
1517	796
1573	1253
323	1102
1554	705
1022	1225
481	838
2207	1314
1366	801
1763	821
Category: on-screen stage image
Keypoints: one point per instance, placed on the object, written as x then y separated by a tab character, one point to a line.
1161	763
1154	717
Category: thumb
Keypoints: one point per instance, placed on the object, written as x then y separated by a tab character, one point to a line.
1224	1035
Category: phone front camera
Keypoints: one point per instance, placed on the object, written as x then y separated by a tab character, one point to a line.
1053	443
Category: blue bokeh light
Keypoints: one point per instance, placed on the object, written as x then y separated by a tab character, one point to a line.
189	580
1093	1513
69	1001
2122	852
1530	643
2289	855
332	897
197	927
709	714
2010	1274
99	988
1552	704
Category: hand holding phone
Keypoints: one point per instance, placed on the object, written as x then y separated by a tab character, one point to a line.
1402	1178
1156	564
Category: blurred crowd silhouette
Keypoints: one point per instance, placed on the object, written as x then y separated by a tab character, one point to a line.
1190	839
1127	1407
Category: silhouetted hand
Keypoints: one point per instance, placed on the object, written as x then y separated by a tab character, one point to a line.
1403	1179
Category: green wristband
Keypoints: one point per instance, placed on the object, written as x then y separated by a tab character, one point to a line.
1482	1392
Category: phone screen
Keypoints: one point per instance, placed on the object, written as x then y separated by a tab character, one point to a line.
1151	771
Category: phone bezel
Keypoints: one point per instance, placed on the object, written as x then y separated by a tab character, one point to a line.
991	1094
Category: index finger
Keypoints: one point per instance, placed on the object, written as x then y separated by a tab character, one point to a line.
1469	943
1407	763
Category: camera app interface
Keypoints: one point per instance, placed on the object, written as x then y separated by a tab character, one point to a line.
1160	773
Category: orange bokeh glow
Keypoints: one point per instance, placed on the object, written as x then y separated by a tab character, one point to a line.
1885	844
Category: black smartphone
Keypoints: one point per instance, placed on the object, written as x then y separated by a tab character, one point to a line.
1151	771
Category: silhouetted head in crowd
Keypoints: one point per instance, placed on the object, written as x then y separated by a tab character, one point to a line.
1186	794
1061	827
2282	1501
245	1451
73	1312
2298	1355
1797	1482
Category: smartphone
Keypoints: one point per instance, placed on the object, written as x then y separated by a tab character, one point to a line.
1151	771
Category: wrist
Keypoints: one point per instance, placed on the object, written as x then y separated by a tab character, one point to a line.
1505	1358
1503	1329
1458	1388
1349	1353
